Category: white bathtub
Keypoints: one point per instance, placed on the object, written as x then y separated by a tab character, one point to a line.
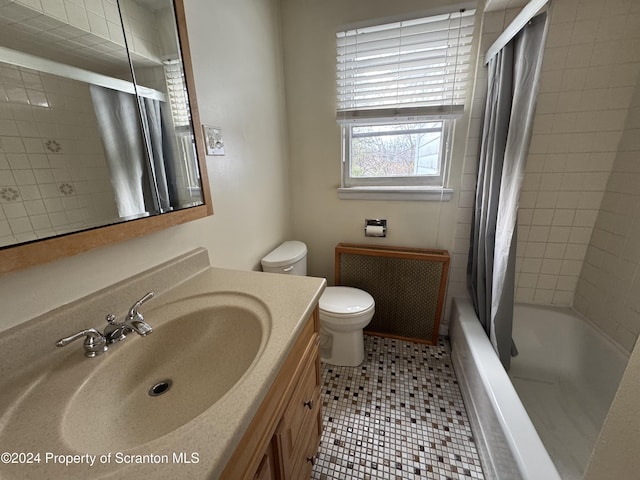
565	375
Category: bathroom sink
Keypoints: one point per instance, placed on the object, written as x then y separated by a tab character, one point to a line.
145	388
220	339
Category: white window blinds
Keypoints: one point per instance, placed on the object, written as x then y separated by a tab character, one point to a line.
415	67
177	93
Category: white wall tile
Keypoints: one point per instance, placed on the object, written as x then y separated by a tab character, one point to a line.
543	296
95	7
542	216
583	127
24	177
98	25
564	12
77	15
547	282
14	210
562	298
56	9
20	225
551	266
40	222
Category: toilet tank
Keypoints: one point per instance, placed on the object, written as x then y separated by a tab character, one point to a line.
290	257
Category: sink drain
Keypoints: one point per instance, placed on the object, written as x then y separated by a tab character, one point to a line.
160	388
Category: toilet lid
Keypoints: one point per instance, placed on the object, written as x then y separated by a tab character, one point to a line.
287	253
345	300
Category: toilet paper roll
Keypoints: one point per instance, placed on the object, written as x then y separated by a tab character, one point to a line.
374	231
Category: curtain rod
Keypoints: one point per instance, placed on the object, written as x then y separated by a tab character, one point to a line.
21	59
527	13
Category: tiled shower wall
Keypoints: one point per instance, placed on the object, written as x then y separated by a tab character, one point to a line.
590	70
52	166
608	291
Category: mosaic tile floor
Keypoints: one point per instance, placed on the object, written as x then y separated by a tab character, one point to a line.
397	416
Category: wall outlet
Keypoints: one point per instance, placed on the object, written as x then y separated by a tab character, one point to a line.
213	140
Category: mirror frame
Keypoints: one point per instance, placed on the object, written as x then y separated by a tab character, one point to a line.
18	257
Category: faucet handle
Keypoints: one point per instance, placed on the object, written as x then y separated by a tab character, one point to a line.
133	311
134	321
94	342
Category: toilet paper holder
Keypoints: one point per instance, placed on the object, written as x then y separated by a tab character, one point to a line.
375	227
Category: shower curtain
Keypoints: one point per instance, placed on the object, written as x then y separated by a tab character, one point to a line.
163	151
142	183
508	123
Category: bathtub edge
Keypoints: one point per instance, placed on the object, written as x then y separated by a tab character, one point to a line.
507	441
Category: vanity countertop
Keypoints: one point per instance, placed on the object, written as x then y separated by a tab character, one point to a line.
200	448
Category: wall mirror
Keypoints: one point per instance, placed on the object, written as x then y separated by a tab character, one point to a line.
99	132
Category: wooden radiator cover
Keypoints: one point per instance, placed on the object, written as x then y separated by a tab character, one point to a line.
407	284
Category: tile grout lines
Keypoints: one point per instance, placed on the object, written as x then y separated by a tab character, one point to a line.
399	415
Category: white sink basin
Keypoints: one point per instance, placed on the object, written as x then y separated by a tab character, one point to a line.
200	348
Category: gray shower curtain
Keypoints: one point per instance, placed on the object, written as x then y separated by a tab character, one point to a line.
119	125
142	183
163	152
508	123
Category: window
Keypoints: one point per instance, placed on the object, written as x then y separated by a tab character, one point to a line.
181	116
380	154
400	87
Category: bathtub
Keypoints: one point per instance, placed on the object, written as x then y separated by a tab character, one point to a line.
540	421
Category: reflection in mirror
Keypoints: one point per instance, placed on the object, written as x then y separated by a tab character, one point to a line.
78	148
170	160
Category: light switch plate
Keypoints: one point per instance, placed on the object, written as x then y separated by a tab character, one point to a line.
213	140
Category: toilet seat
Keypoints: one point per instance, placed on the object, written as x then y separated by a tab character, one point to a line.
345	302
344	311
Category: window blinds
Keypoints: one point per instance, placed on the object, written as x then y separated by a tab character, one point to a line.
417	66
177	93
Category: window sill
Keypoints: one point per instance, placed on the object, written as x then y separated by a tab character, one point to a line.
424	194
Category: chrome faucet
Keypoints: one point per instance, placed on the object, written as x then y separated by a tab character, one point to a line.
134	322
96	343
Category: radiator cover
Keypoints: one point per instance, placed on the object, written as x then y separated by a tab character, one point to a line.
407	284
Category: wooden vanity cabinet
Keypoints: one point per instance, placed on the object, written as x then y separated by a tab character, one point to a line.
267	467
282	439
298	433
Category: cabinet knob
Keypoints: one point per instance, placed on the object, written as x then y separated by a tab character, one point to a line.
309	404
311	460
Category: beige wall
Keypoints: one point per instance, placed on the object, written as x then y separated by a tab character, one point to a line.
608	291
320	219
237	65
590	69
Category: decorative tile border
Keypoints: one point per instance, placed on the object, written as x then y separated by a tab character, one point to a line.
66	189
9	194
53	146
399	415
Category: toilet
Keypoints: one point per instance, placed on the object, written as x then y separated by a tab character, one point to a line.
344	311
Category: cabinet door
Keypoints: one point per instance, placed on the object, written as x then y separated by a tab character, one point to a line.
299	428
279	434
266	470
305	455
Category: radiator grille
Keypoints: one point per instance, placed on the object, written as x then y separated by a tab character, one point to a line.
408	286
